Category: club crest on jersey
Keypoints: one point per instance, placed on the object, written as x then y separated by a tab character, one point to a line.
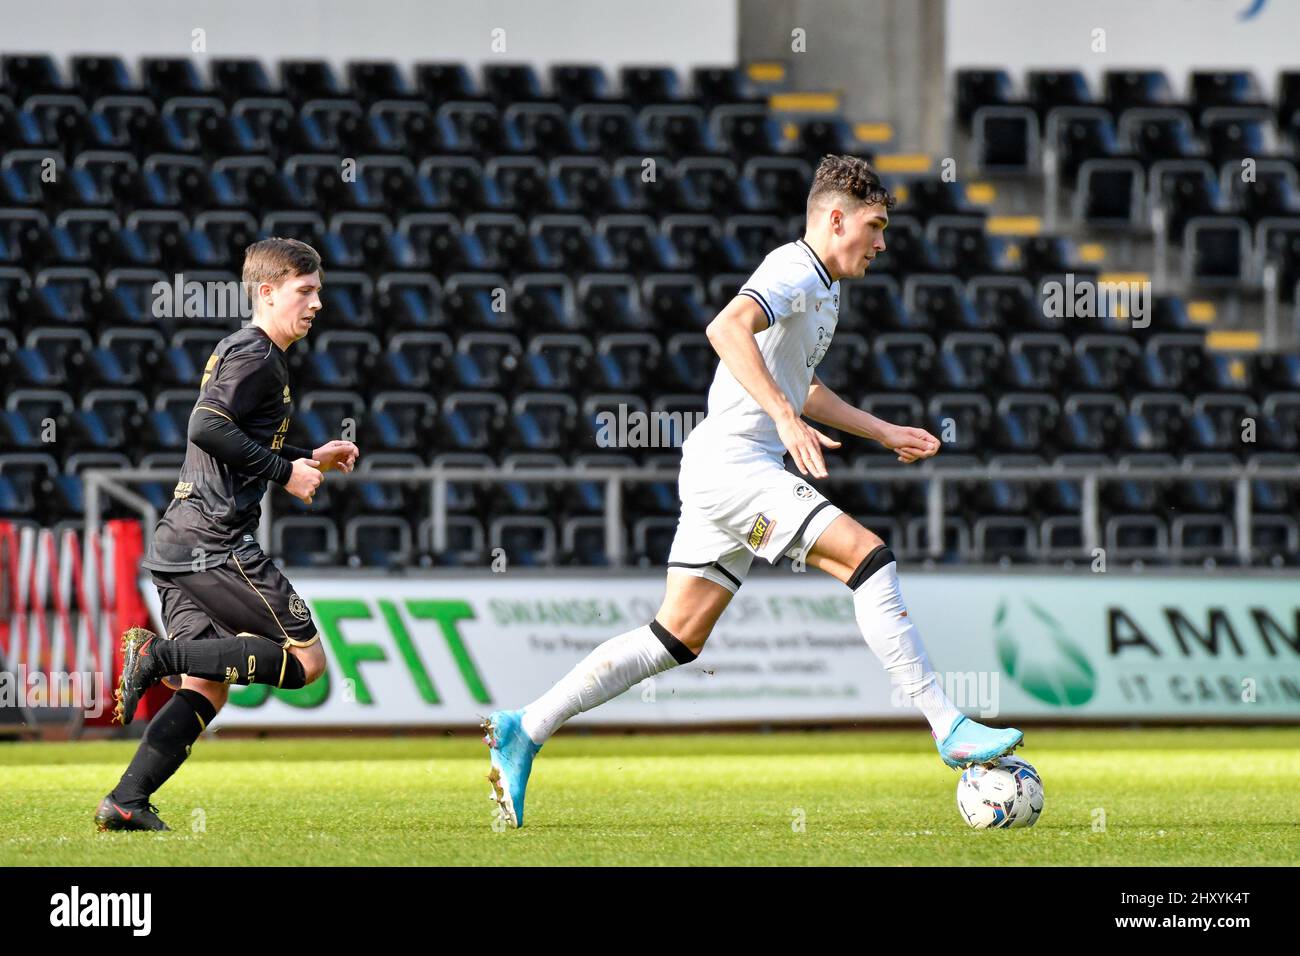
803	492
298	607
286	395
761	531
819	350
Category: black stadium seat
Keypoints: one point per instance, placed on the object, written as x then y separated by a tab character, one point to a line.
512	252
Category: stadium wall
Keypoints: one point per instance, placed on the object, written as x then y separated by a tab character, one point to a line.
1176	36
680	33
444	649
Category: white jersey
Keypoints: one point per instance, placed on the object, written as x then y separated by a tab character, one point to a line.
802	304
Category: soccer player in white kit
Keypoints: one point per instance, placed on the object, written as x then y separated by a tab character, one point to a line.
738	501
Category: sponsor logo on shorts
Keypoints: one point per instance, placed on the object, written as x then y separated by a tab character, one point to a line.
803	492
761	531
298	607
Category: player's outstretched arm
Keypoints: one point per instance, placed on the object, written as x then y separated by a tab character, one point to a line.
225	441
911	444
731	333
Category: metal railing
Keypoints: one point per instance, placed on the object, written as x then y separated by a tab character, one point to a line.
104	484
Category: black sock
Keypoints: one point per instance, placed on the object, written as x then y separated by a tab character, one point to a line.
244	659
165	745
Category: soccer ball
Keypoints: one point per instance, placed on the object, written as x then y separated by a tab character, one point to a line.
1000	795
1031	791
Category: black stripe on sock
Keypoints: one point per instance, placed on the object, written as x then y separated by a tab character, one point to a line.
201	706
681	653
872	563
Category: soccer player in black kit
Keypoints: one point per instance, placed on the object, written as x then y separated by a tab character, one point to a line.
231	617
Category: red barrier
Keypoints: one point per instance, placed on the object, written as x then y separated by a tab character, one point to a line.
72	605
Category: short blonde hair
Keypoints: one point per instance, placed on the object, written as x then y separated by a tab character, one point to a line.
276	259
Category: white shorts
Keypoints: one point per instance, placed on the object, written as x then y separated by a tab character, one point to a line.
732	511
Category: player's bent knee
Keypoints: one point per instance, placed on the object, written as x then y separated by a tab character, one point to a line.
312	659
216	692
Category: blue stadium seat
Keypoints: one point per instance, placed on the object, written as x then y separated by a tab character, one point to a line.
627	360
511	83
378	541
1025	421
96	76
1155	421
559	361
1089	422
440	82
473	421
576	83
531	496
900	360
976	88
526	540
306	541
403	420
538	129
542	422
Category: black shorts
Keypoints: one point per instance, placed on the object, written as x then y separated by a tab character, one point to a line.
246	594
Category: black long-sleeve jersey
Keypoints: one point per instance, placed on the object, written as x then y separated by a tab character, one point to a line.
236	445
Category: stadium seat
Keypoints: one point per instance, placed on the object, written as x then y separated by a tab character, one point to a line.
1005	140
528	541
976	89
1136	537
378	541
1110	194
1202	537
305	541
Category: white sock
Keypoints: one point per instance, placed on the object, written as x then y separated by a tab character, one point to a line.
894	639
609	670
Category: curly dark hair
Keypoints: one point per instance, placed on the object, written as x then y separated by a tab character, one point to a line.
848	176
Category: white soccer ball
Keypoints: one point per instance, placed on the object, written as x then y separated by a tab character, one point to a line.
1000	795
1030	803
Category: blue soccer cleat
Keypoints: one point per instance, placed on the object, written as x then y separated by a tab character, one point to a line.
512	752
970	742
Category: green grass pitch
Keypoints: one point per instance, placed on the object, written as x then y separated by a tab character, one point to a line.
1222	797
